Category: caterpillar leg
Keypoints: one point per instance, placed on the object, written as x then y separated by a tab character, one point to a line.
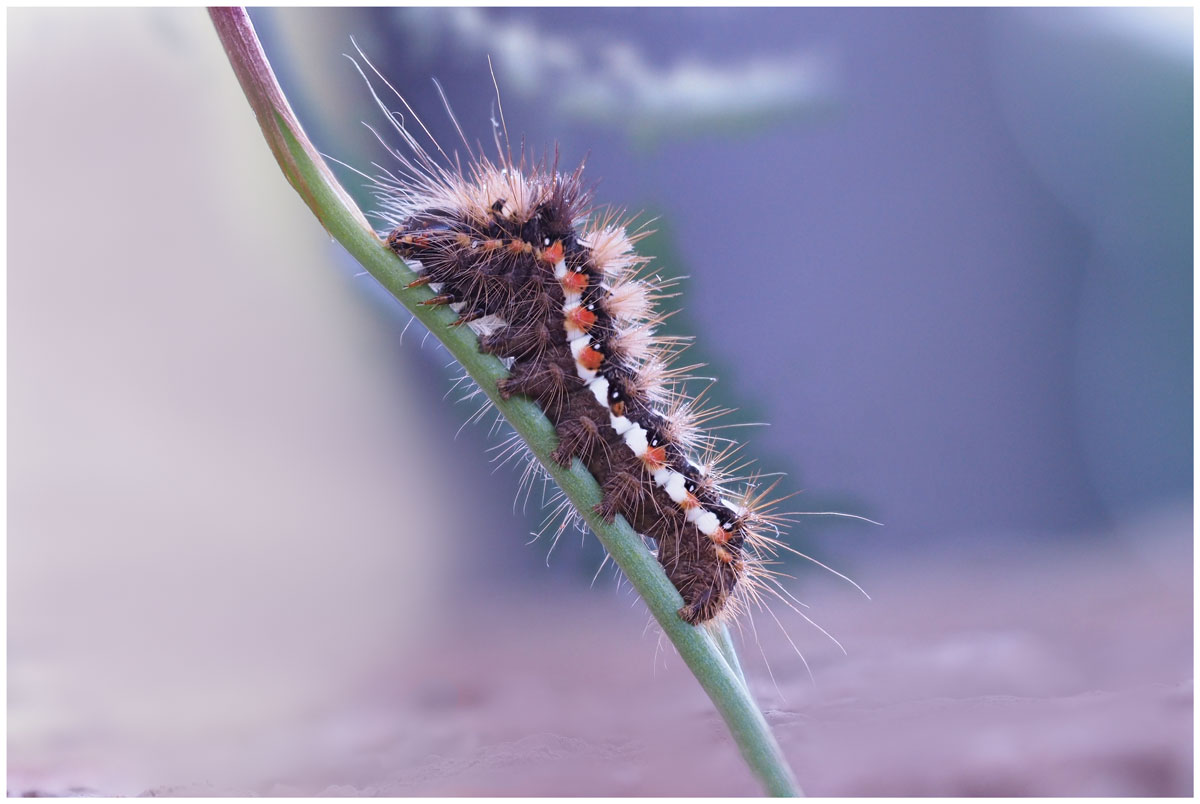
622	495
580	438
543	383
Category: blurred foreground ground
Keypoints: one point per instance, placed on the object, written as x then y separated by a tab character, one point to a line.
1079	685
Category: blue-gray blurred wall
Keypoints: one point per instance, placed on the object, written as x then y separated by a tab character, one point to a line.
946	254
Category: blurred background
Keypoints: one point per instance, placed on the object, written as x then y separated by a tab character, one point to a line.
945	254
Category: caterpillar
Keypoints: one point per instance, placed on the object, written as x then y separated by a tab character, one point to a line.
554	287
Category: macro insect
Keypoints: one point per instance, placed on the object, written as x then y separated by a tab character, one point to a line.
554	287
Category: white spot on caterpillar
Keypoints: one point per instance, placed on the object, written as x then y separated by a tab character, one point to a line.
599	389
578	345
620	423
675	487
635	439
707	522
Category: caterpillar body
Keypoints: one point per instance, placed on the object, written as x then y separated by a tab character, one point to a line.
555	288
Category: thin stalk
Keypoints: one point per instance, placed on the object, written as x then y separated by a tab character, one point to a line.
334	208
725	644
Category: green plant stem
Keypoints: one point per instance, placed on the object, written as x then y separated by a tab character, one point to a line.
725	644
705	656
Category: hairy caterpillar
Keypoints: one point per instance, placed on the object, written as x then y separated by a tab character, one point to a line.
556	290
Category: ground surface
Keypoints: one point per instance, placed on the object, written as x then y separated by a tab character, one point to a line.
1068	677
